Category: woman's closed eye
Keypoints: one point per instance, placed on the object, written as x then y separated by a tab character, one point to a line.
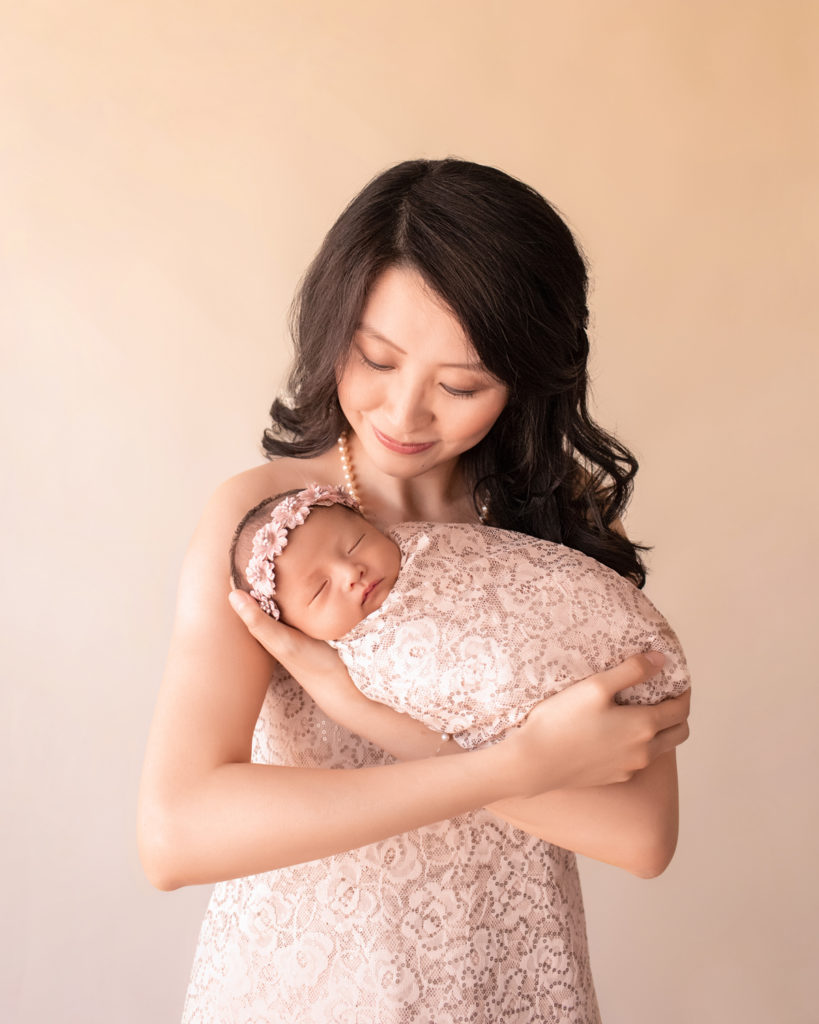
454	392
373	365
460	392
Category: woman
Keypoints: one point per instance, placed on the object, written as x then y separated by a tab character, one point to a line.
441	329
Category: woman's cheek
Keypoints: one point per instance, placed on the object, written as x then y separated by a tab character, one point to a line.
357	389
481	415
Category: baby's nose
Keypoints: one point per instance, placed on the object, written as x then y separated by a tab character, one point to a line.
351	573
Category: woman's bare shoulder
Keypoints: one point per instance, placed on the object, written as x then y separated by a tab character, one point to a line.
204	621
244	490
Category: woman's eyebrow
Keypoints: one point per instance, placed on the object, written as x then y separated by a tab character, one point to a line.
373	333
474	364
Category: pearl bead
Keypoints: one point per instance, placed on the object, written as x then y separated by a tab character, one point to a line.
347	470
349	480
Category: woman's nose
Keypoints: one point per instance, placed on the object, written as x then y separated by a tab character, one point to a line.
407	409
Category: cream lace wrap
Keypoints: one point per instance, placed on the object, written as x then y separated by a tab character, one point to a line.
484	623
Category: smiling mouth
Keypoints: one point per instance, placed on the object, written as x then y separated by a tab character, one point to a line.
397	446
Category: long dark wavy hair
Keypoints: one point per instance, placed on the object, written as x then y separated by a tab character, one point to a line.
509	268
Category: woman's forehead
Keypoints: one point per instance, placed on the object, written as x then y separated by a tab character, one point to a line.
404	312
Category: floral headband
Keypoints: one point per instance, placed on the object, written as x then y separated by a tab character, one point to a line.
271	539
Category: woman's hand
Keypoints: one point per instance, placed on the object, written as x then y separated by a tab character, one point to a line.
582	738
320	671
312	662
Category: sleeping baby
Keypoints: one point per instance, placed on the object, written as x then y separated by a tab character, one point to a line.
462	627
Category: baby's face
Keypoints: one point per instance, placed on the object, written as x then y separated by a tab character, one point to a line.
335	570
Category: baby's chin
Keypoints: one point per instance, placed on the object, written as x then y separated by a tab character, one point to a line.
351	626
327	634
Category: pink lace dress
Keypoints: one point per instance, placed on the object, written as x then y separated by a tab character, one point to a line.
469	920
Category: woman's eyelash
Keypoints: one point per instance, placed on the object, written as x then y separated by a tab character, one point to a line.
458	393
371	364
381	368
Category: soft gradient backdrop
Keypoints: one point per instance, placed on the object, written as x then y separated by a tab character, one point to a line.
166	171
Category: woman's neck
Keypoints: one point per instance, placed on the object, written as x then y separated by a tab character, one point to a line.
438	495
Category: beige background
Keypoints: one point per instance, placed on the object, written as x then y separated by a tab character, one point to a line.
167	170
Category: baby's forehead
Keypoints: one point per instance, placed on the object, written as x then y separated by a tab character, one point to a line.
318	530
322	514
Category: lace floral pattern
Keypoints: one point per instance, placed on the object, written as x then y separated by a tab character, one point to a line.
470	920
483	623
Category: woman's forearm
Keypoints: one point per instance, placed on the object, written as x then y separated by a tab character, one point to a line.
207	820
241	819
207	814
632	825
401	736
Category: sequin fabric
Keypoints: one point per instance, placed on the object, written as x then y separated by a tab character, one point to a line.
484	623
469	921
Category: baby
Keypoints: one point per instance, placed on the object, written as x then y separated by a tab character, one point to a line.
464	628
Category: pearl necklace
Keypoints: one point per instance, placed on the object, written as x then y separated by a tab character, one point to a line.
347	469
349	478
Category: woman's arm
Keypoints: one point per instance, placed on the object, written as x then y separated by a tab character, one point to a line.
206	813
630	824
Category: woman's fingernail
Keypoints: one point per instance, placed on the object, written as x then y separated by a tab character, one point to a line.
656	658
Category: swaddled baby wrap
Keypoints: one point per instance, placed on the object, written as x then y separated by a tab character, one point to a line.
484	623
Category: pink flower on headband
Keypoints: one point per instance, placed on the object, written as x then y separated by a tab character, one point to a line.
271	539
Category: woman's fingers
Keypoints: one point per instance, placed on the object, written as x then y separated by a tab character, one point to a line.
307	660
668	740
272	635
669	714
631	672
673	711
673	726
595	741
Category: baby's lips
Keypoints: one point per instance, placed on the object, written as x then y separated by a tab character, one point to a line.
369	589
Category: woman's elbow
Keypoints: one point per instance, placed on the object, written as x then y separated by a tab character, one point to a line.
158	850
654	855
158	870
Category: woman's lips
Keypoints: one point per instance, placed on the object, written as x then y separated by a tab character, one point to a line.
396	446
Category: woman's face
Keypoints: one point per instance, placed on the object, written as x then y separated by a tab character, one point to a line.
412	388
